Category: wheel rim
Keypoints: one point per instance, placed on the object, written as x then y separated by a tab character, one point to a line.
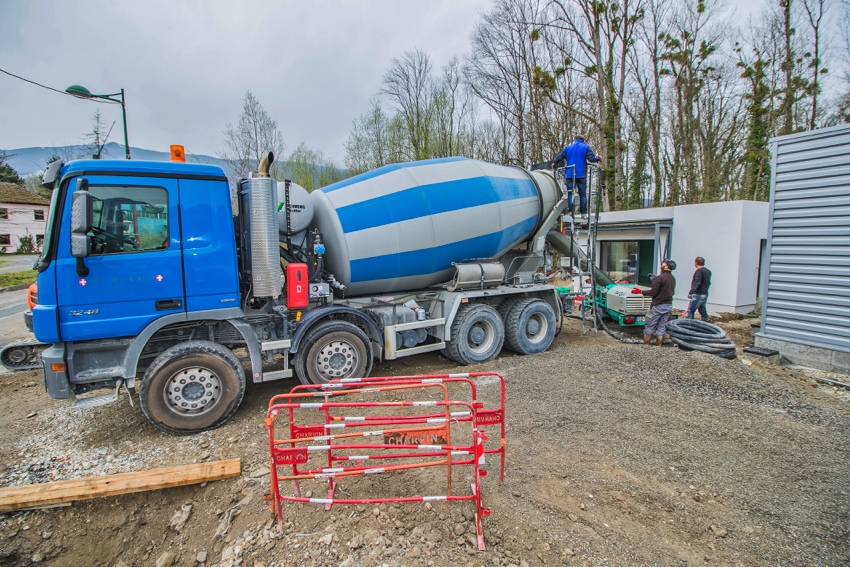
192	391
336	359
480	337
536	327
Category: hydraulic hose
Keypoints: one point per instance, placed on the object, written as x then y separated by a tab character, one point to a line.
702	336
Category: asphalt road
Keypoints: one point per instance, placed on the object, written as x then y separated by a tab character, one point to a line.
16	263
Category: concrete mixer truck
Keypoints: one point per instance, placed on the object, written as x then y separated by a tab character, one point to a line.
149	282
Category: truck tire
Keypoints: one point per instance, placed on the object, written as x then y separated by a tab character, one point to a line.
192	387
333	350
477	335
530	326
505	307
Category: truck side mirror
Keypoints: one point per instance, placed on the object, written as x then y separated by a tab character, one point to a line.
51	174
81	220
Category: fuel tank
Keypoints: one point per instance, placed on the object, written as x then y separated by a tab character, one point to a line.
400	227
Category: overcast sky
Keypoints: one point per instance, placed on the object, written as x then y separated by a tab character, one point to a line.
185	66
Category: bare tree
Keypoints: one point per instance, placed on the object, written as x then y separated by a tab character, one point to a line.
376	139
689	55
843	110
452	115
649	77
815	11
499	69
97	136
845	38
796	86
606	34
719	136
409	86
255	134
310	168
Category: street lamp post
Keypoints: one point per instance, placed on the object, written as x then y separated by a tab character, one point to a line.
82	92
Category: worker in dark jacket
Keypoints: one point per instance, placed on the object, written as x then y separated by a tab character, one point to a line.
577	155
663	288
699	289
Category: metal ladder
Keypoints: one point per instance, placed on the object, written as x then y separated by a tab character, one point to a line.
586	230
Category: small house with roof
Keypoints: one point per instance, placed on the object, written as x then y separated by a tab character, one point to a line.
22	214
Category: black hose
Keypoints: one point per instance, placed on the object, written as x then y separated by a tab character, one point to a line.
700	329
702	336
620	338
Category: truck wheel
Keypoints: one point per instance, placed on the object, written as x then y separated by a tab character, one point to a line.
192	387
333	350
477	335
530	326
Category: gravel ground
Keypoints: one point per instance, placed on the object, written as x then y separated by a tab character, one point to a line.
616	455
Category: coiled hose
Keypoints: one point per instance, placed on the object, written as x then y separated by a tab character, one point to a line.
702	336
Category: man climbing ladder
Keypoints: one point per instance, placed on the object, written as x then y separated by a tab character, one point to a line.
577	155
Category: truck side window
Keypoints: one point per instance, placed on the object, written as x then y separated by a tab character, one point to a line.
129	219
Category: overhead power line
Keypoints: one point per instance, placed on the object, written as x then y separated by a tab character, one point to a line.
45	86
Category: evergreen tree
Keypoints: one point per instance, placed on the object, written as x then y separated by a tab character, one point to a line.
7	172
756	158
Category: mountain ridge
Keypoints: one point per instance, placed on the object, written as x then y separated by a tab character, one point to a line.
27	161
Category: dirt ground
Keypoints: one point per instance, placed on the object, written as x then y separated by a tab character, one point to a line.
617	454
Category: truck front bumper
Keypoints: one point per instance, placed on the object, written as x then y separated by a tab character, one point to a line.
56	381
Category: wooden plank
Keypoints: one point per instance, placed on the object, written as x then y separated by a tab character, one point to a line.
62	491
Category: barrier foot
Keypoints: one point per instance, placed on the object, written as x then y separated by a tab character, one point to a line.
279	514
331	487
479	531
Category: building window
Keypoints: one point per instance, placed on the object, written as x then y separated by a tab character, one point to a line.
619	261
39	240
38	214
4	213
628	261
5	240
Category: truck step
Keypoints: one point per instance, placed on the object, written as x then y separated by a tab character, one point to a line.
275	345
94	401
277	375
420	349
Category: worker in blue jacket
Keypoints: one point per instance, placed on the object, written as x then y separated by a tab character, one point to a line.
577	155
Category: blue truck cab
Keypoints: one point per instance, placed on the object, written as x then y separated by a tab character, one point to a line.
160	253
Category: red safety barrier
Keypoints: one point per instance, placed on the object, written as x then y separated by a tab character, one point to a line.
408	439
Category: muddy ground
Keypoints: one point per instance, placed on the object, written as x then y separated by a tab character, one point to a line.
616	455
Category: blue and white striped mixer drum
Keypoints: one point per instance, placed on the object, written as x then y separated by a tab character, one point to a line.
401	226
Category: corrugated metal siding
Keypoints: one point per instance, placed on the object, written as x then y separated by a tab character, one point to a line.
808	283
